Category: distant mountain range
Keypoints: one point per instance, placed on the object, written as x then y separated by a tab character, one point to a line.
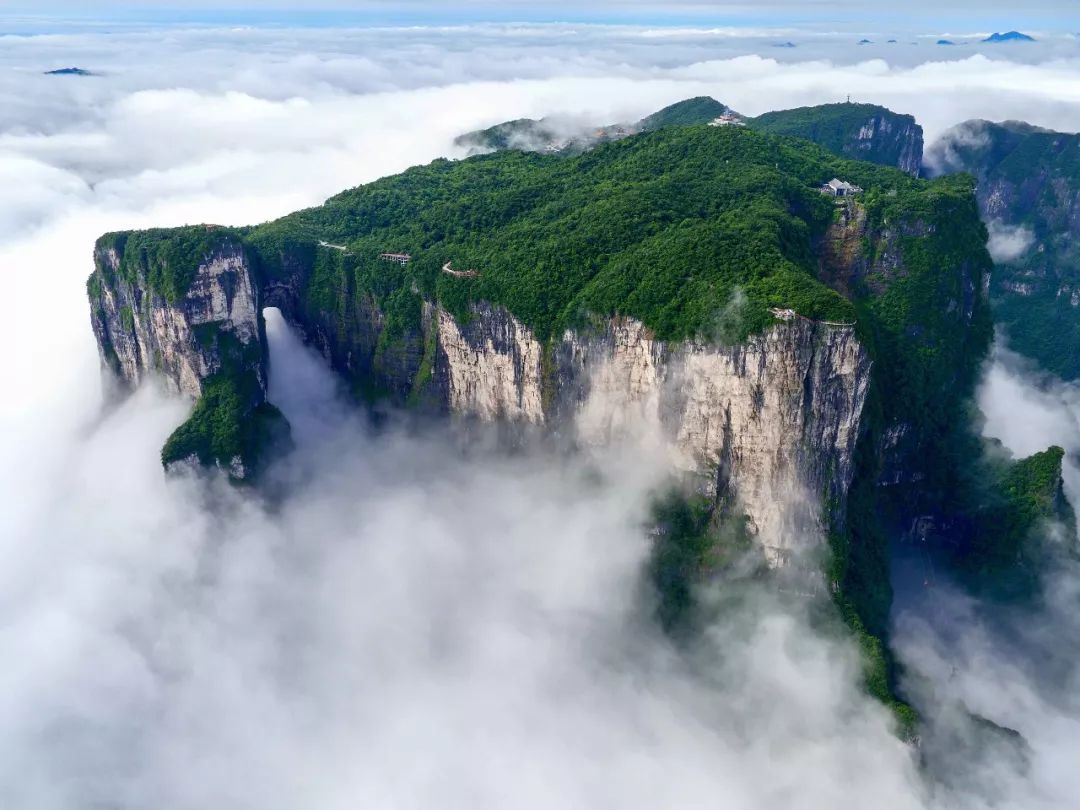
994	39
861	131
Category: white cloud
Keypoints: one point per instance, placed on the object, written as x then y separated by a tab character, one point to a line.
409	626
1029	410
1009	242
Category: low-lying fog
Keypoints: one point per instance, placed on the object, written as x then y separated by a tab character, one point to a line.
411	627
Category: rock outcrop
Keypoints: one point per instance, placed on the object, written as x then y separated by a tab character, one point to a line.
885	134
771	423
861	131
208	344
139	331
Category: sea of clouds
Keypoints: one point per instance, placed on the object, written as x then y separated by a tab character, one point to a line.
410	626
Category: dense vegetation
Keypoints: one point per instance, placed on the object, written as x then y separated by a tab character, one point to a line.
692	111
665	227
694	538
567	138
225	427
698	540
522	133
231	420
1015	503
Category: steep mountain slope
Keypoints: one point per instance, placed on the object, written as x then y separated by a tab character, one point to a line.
805	360
1029	193
700	235
860	131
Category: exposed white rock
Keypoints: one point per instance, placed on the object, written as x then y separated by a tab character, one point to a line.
155	336
773	421
495	373
222	293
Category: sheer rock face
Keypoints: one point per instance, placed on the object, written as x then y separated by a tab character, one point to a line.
881	134
771	423
140	332
491	368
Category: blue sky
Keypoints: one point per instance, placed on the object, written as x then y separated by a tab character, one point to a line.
960	15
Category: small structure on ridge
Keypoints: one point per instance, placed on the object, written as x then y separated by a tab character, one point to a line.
728	119
840	188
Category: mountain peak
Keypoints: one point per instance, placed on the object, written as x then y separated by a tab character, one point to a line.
1009	36
692	111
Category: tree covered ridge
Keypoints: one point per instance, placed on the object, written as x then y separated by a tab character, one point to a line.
570	137
664	227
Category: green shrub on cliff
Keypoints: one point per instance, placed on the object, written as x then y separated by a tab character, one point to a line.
1014	501
224	428
167	259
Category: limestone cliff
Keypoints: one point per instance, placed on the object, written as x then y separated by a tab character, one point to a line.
139	331
771	423
207	344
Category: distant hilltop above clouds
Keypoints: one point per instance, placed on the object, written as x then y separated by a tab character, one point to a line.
1009	36
70	71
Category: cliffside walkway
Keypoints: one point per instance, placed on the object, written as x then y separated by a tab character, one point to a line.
341	248
788	315
450	271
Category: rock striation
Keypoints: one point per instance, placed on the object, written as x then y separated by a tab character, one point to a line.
140	332
770	424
